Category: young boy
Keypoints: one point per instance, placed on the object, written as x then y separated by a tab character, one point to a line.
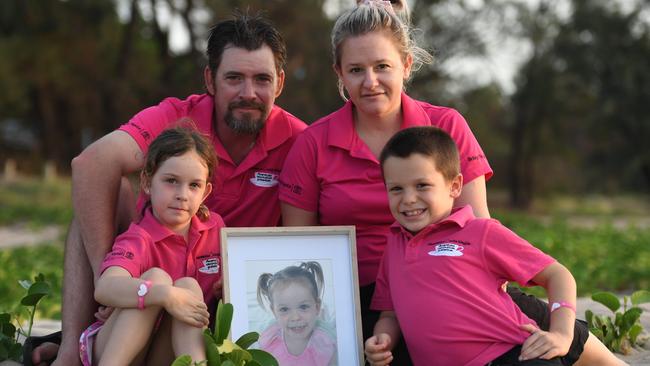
441	276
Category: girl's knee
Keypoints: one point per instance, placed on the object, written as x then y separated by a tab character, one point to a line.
189	283
157	276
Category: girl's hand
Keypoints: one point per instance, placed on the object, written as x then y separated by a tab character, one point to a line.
184	306
104	312
376	349
544	345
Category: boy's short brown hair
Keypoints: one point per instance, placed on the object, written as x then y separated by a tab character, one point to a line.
428	141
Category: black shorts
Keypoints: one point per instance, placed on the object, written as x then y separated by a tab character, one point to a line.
538	310
511	358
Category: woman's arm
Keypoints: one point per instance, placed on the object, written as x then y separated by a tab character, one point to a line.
474	193
294	216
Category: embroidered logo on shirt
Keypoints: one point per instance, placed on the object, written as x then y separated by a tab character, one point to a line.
447	250
210	266
265	179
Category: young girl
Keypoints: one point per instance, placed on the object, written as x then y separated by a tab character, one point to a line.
161	272
294	297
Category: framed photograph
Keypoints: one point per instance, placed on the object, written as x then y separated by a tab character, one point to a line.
298	288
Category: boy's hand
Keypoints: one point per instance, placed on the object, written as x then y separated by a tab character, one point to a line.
217	288
184	306
544	345
376	349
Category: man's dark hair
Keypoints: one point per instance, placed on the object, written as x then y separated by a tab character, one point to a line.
428	141
245	31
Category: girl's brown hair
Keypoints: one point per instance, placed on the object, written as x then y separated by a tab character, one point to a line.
177	141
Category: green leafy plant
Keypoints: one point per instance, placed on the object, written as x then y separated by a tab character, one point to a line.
622	331
221	351
10	347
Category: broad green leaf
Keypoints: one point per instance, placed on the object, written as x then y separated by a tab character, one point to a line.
640	297
239	356
630	318
264	358
253	363
634	333
9	330
36	291
224	319
184	360
608	299
5	318
228	363
211	349
589	316
247	339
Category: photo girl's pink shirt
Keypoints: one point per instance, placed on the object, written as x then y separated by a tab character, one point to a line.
320	350
149	244
444	285
331	171
244	194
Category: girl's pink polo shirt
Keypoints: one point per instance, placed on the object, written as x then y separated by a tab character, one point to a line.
331	171
149	244
444	285
244	194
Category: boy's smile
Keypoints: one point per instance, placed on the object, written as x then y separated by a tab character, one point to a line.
418	194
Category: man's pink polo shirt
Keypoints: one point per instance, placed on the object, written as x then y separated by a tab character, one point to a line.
244	194
444	285
149	244
331	171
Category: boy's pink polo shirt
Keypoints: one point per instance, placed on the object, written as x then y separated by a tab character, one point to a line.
444	285
331	171
149	244
244	194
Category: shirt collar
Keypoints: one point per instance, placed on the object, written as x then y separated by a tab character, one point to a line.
341	126
158	231
459	216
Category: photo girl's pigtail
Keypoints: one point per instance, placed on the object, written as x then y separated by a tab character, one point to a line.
309	272
315	277
177	141
263	285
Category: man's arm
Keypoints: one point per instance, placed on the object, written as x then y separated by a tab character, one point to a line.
474	193
96	177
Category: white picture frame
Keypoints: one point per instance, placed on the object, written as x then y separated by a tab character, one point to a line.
247	253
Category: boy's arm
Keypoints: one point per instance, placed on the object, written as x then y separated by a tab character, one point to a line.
560	287
386	333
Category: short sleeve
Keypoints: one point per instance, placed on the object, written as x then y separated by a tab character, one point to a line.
130	251
382	299
473	161
299	184
511	257
150	122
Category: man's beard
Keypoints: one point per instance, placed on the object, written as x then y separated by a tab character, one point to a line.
246	125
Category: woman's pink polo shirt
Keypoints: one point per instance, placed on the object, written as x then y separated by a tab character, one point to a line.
331	171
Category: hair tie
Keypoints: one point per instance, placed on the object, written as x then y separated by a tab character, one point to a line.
386	4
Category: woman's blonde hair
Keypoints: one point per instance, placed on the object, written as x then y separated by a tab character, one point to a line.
376	16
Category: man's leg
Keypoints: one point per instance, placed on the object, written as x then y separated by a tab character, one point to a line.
78	305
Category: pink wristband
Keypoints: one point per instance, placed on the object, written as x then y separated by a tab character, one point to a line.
142	290
562	304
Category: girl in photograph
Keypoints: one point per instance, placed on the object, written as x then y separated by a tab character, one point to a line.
161	272
294	297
